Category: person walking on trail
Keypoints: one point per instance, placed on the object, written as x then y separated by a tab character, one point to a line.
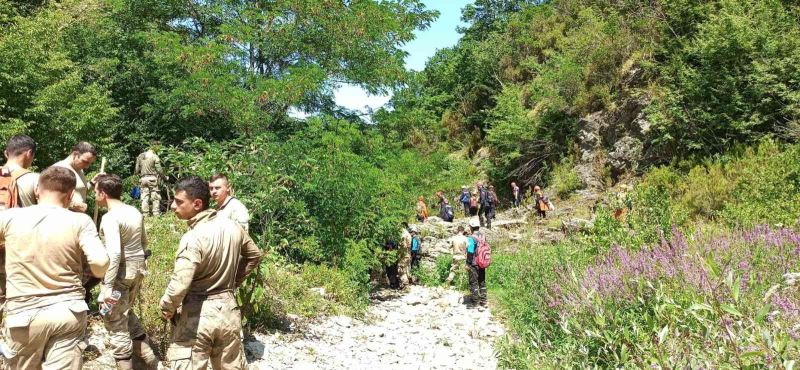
148	168
18	183
227	205
392	264
46	314
122	231
477	275
82	156
515	195
487	202
416	248
458	246
474	203
422	209
492	212
464	198
445	209
404	255
541	201
213	259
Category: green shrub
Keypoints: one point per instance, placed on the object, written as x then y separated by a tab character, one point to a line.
564	179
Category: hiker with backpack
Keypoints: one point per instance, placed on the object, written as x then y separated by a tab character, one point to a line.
478	260
473	204
541	202
445	209
416	247
487	201
464	198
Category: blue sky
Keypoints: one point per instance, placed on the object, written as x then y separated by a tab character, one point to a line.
441	34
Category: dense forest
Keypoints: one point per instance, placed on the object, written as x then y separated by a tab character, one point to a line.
696	102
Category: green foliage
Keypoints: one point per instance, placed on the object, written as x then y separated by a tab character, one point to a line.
565	179
758	185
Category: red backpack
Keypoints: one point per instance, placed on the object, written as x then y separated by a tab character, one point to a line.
483	253
9	194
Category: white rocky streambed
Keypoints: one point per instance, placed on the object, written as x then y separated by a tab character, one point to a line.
426	328
419	328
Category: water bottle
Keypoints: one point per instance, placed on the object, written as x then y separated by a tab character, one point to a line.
107	307
7	352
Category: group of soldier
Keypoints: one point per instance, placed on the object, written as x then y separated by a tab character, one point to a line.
463	248
53	250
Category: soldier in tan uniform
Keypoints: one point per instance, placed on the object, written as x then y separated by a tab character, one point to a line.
404	258
148	168
227	205
20	150
45	312
458	246
122	230
82	156
213	259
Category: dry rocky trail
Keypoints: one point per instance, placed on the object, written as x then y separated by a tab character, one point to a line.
418	327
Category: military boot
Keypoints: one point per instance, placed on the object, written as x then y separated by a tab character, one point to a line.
144	355
125	364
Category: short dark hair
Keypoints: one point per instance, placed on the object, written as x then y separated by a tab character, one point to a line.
19	144
110	184
195	188
58	179
84	147
218	176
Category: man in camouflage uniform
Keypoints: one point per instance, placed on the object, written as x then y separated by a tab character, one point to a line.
213	259
404	255
458	246
46	313
148	168
122	230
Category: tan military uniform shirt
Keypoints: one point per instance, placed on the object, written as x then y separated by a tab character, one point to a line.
214	256
122	230
406	236
233	209
81	184
26	186
44	247
148	163
459	247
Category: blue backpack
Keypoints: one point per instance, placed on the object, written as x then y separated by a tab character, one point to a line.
136	192
415	244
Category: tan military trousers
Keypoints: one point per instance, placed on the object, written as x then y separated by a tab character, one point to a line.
122	323
151	196
49	337
403	263
456	265
207	335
